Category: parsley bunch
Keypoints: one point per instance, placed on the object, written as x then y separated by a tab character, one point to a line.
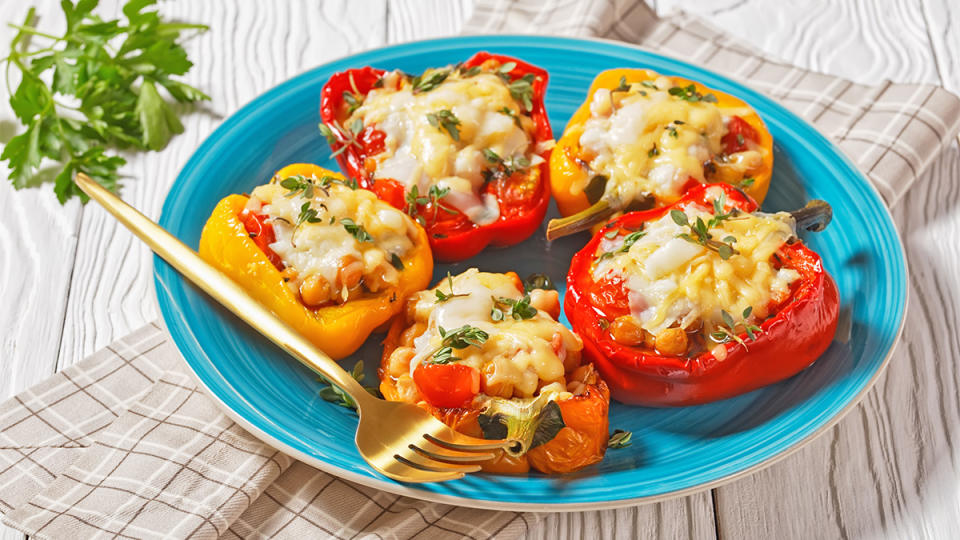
102	92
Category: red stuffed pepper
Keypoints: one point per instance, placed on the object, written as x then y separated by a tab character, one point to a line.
701	300
462	149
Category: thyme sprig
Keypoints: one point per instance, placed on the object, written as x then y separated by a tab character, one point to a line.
727	331
689	93
518	309
628	242
442	296
502	168
429	80
336	133
460	338
444	119
619	439
700	230
433	197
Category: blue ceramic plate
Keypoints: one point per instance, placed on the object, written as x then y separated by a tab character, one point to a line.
675	451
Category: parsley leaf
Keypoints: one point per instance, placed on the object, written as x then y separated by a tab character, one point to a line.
111	72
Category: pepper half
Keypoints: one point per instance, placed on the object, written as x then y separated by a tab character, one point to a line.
788	340
523	196
581	193
450	390
231	245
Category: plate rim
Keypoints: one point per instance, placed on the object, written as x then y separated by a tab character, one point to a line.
407	489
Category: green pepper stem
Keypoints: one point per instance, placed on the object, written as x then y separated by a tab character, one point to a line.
813	217
582	220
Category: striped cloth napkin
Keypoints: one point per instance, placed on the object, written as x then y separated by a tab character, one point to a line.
125	444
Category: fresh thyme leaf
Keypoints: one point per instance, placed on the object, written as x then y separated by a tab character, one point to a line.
679	217
327	133
460	338
649	84
519	309
516	119
297	184
746	182
352	100
475	70
689	93
503	168
333	394
728	330
445	119
522	91
396	261
307	215
505	69
628	242
442	296
425	84
653	151
356	230
701	230
619	439
623	86
610	235
110	72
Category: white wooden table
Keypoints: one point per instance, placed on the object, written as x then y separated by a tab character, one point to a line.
72	280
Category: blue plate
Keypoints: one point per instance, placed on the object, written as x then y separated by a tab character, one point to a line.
675	451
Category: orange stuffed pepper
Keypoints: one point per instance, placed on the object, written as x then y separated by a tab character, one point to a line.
491	361
331	260
641	140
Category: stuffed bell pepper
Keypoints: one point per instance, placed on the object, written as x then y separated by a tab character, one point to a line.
491	361
462	149
703	299
328	258
641	140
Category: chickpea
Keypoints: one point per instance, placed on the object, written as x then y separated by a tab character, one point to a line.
315	291
547	301
626	332
399	361
493	387
350	272
672	341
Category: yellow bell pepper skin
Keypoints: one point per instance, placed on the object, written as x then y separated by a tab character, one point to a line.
566	173
338	330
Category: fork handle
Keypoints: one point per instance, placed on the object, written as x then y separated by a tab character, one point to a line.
223	289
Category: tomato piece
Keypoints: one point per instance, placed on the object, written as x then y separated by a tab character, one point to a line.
738	133
390	191
447	385
372	141
611	293
261	232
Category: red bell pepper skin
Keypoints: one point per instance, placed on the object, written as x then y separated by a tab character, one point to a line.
791	339
452	237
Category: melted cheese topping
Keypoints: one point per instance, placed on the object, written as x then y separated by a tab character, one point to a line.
420	154
521	353
646	141
674	282
322	248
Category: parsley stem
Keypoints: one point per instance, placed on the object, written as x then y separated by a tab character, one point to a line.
33	31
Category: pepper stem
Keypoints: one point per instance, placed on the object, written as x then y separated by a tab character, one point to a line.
580	221
813	217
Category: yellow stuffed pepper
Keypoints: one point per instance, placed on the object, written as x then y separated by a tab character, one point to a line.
641	140
331	260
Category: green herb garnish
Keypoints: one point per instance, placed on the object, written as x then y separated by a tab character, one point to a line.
434	194
689	93
623	86
307	215
503	168
334	394
109	72
619	439
628	242
519	310
460	338
516	119
444	119
396	261
356	230
425	84
746	182
700	230
727	331
442	296
522	91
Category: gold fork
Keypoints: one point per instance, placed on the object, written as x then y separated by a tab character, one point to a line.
401	440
